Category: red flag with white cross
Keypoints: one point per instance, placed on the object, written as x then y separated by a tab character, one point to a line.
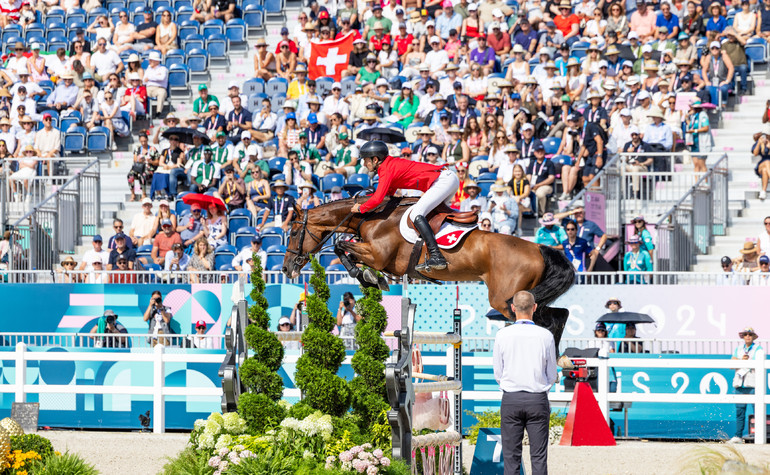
330	58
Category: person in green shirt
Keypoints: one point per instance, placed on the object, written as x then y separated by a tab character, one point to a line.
387	24
224	152
369	72
195	153
204	174
346	157
405	106
201	104
306	153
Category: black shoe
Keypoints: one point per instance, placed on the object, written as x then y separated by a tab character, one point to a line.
435	260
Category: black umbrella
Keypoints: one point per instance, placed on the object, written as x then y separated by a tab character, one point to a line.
186	134
497	316
625	317
386	134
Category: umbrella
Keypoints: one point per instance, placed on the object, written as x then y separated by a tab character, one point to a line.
386	134
625	317
497	316
186	134
203	200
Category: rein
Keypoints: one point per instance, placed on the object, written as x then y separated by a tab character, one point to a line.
320	240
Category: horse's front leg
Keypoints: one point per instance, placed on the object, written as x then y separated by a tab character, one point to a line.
360	252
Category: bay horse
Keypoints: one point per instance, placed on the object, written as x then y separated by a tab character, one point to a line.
507	264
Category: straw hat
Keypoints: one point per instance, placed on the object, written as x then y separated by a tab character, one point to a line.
655	112
611	49
471	184
369	115
500	187
425	130
455	129
69	259
548	219
748	331
280	184
749	247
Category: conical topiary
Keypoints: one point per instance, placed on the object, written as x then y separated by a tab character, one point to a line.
369	397
317	368
259	373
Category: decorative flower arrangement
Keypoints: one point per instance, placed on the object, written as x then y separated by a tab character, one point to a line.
217	431
226	457
18	461
361	459
314	424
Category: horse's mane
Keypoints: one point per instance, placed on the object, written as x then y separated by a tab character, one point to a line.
387	207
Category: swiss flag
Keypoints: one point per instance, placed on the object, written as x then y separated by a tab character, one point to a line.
330	58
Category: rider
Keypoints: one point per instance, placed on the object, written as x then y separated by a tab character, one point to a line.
437	183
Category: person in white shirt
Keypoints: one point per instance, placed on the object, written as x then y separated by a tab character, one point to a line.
437	59
335	103
97	275
524	359
243	261
156	81
33	90
7	135
21	96
763	240
621	134
226	104
728	275
95	254
105	61
199	339
762	278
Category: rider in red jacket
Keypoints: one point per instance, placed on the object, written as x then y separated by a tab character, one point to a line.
438	184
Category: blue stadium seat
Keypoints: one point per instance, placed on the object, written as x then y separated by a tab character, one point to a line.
274	259
175	56
480	157
178	77
144	251
73	118
485	187
95	13
323	85
487	177
270	241
188	27
46	85
276	164
551	145
54	117
238	218
34	29
76	15
757	50
277	102
235	30
348	85
211	27
98	139
57	41
275	8
330	181
158	5
55	15
254	17
275	248
216	45
56	29
254	102
223	255
183	13
133	4
182	4
242	237
194	41
356	183
326	257
198	60
276	86
74	139
253	86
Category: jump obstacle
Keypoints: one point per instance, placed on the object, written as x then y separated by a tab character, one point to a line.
401	392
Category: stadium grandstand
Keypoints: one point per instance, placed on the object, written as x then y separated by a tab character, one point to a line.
644	124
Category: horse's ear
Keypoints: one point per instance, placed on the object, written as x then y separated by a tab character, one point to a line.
297	211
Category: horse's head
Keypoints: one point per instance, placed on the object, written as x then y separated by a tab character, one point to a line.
309	230
300	245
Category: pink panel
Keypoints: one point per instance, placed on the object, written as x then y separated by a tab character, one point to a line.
96	300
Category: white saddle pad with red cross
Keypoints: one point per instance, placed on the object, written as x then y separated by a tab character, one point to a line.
447	237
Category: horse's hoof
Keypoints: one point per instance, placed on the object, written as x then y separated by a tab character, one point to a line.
370	276
383	284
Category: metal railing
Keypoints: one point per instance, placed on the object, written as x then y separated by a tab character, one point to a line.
111	340
689	227
341	277
57	224
19	195
607	183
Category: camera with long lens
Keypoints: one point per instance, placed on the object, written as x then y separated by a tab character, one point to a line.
111	319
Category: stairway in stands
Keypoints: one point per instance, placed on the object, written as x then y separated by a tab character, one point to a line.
115	193
746	209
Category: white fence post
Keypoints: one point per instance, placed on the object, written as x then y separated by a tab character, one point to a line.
604	388
760	411
158	400
21	372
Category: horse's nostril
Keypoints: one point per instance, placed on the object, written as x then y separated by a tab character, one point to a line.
284	269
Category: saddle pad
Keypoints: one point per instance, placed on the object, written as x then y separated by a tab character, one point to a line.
447	237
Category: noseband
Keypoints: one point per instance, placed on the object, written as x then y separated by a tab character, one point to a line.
301	258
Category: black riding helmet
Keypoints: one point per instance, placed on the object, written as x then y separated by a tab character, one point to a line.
375	148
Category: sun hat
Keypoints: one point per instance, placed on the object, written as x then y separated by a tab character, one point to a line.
655	112
548	219
749	247
154	56
499	187
280	184
613	300
471	184
748	331
68	259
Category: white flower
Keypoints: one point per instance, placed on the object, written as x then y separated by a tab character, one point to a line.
233	456
214	461
367	446
223	450
385	461
239	448
307	454
223	466
212	428
216	417
234	423
346	466
377	453
372	470
247	454
199	424
224	441
206	441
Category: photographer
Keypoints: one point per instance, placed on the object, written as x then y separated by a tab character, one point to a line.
108	324
158	317
347	319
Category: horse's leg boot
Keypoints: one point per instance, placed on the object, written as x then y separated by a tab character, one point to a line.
435	260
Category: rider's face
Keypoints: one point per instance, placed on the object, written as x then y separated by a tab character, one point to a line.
371	163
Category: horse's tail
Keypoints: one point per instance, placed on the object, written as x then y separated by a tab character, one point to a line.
558	276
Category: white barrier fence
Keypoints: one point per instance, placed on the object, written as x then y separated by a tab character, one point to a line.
158	356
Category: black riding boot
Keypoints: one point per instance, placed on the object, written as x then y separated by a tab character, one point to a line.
435	260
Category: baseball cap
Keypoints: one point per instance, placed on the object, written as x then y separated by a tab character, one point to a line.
284	321
527	126
245	135
432	150
727	261
221	134
200	324
98	238
121	257
647	49
284	31
336	85
120	236
202	87
625	111
539	147
312	118
600	326
764	260
165	222
229	169
257	239
146	201
633	130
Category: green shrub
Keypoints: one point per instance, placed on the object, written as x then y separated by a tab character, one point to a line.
259	373
260	412
369	396
188	462
32	442
62	464
317	368
264	465
300	410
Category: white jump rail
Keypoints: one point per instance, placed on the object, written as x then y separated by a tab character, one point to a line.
159	357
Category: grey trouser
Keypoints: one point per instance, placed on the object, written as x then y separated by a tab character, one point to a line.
532	411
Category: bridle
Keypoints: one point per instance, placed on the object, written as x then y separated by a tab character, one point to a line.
301	258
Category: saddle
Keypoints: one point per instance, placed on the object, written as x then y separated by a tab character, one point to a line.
444	213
